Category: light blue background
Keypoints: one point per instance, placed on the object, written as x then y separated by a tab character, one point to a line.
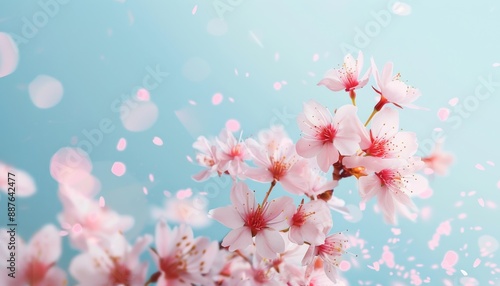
442	47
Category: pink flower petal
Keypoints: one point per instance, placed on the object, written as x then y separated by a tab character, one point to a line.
443	113
143	94
269	243
238	238
184	194
102	202
228	216
122	144
118	169
453	101
157	141
233	125
277	85
217	99
195	8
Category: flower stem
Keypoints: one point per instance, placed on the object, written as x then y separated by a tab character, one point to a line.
352	95
371	116
273	183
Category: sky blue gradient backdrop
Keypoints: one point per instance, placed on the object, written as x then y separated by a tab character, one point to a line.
442	47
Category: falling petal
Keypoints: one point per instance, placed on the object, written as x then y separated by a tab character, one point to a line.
118	169
479	167
184	194
443	114
143	94
102	203
157	141
315	57
401	9
145	190
217	98
277	85
122	144
256	39
453	101
195	8
233	125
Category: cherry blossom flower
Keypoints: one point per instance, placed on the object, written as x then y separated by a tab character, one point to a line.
347	77
330	252
324	135
181	258
86	219
385	138
232	154
36	261
207	157
277	160
317	184
392	89
249	219
111	261
393	187
190	211
438	161
310	223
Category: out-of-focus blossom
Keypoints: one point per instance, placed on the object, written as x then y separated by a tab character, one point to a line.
310	223
88	220
111	261
188	211
392	89
249	219
438	161
324	135
35	262
277	160
23	183
207	157
182	259
330	253
232	154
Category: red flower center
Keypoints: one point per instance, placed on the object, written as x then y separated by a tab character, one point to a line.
326	134
35	271
120	275
300	217
279	168
255	220
387	177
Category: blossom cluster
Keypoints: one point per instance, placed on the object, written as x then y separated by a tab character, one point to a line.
284	240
